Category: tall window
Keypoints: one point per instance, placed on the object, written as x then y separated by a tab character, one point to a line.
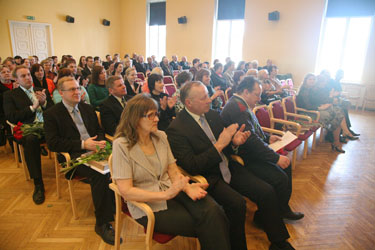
229	30
344	39
156	30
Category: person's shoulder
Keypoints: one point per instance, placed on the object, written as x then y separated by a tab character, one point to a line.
55	109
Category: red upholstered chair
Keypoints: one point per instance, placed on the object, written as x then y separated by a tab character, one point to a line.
122	209
263	115
290	110
170	89
168	80
277	114
141	76
228	93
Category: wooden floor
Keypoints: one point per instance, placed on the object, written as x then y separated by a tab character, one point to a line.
335	191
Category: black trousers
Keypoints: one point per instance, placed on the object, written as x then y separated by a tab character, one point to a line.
102	196
264	195
202	218
280	179
31	145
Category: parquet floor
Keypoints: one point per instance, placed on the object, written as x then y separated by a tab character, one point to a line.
336	193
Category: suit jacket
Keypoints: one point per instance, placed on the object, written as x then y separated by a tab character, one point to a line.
256	146
141	67
17	106
110	113
132	163
62	134
86	71
193	150
174	65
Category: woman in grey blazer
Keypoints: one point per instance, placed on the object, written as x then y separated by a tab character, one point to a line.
146	171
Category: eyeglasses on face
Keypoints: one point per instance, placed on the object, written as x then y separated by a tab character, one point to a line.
151	116
73	89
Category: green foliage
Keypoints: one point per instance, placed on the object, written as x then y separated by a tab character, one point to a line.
100	155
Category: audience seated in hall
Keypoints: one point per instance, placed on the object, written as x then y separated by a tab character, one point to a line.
182	78
166	104
180	208
72	126
194	69
40	80
107	62
26	104
217	78
259	159
202	146
184	63
204	76
89	66
167	69
96	89
140	65
229	68
132	87
174	63
112	107
71	70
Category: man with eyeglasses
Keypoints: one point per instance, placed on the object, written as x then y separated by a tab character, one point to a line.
26	104
72	126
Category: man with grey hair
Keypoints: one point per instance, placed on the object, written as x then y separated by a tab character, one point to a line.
72	126
174	63
112	107
202	145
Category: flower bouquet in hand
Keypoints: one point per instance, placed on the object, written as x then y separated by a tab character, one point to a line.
23	129
100	155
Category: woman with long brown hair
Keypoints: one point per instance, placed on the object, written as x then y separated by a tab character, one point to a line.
145	170
97	90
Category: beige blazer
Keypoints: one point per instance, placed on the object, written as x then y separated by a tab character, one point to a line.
133	164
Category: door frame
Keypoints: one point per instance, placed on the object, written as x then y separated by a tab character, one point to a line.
12	22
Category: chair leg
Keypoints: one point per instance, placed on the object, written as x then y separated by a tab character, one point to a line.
57	173
321	135
25	170
305	148
16	157
118	222
294	158
72	200
198	244
314	141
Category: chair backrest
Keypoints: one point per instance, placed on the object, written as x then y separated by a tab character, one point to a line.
228	93
263	116
277	110
289	104
141	76
170	89
167	79
99	118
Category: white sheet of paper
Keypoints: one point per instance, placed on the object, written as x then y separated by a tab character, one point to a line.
287	138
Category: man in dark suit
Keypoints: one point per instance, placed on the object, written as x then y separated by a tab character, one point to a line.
140	65
26	104
203	146
174	63
108	62
72	126
260	159
111	109
89	65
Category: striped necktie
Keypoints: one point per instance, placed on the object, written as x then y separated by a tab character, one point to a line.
38	111
224	163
